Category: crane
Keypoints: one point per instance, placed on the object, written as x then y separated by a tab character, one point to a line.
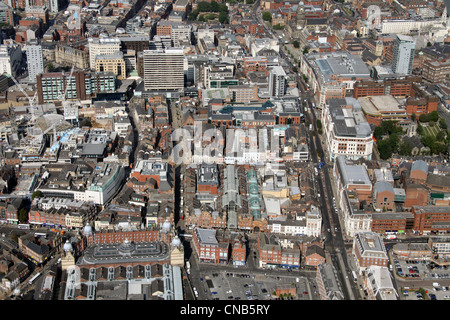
61	96
31	101
52	127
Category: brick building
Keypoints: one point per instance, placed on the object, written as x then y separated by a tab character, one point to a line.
431	219
369	250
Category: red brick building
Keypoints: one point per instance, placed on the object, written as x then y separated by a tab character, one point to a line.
207	247
431	219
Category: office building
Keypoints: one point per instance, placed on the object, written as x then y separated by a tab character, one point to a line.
10	59
114	63
101	46
164	69
403	54
35	60
369	250
346	129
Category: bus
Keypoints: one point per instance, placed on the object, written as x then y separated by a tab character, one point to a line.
34	278
355	278
24	226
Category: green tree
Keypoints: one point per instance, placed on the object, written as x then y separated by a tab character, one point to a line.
428	141
22	215
204	6
423	118
413	117
385	149
433	116
305	50
419	130
296	44
214	6
378	132
405	148
443	124
193	15
439	147
440	136
223	17
267	16
36	194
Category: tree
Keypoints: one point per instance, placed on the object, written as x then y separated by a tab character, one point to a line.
22	216
214	6
439	147
443	124
378	132
413	117
204	6
440	136
428	141
193	15
223	17
305	50
419	129
36	194
433	116
384	148
423	118
405	148
296	44
267	16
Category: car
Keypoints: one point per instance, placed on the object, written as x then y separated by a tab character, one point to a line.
305	292
230	297
432	296
446	297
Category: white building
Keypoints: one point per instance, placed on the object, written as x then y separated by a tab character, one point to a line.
346	129
102	46
277	81
379	284
403	54
10	59
164	69
313	222
35	59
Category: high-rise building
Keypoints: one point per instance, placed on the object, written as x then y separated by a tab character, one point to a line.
277	81
6	14
35	60
101	46
10	59
403	54
164	69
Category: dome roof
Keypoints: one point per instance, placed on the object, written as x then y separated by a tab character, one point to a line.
67	246
166	226
176	241
87	230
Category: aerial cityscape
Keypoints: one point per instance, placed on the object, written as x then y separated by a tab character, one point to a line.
228	150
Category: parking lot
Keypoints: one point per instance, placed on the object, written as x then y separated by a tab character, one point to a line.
427	293
242	286
415	269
